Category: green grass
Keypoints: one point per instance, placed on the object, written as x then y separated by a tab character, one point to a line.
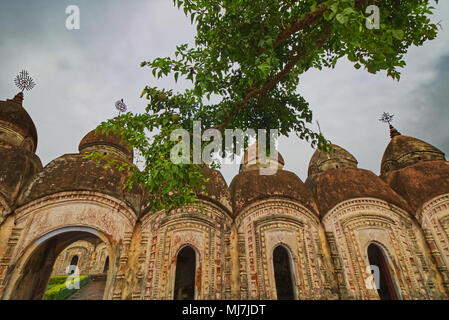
57	288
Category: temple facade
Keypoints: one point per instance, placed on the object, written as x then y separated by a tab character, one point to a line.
344	233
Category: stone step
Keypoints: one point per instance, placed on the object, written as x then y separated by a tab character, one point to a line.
94	290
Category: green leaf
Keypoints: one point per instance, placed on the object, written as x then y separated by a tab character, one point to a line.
348	11
398	34
341	18
264	68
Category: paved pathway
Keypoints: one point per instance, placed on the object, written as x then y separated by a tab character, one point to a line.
92	291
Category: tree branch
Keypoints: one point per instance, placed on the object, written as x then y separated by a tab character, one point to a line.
295	26
276	79
309	19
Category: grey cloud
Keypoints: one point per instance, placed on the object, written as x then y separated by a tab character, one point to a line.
431	117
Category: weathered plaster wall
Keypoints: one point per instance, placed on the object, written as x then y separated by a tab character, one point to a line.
266	224
206	229
434	219
351	226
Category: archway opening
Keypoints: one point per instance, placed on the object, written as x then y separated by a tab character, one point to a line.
106	265
46	262
185	274
283	274
73	264
384	281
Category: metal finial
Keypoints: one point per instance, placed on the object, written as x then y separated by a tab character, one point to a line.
23	81
386	118
120	106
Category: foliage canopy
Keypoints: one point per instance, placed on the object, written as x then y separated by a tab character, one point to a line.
244	71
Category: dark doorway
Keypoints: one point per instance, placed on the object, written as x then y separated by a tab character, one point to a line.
74	261
73	264
386	289
106	265
185	274
283	274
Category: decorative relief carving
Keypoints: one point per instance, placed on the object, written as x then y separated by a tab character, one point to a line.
349	228
207	230
7	257
355	226
267	224
434	218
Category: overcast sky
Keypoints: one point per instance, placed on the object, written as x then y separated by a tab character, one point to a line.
81	73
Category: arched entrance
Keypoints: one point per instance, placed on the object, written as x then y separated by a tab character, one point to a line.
184	288
73	263
30	278
283	275
386	288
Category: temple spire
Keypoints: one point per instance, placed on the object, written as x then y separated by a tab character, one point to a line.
18	98
394	132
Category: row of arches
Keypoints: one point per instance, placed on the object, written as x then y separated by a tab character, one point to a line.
283	265
29	282
284	275
75	259
36	270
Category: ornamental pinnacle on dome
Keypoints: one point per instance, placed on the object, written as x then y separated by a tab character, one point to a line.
23	81
388	118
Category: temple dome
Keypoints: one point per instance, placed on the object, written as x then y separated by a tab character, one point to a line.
421	182
217	189
72	172
17	167
403	151
323	161
251	185
110	143
14	117
337	185
251	160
